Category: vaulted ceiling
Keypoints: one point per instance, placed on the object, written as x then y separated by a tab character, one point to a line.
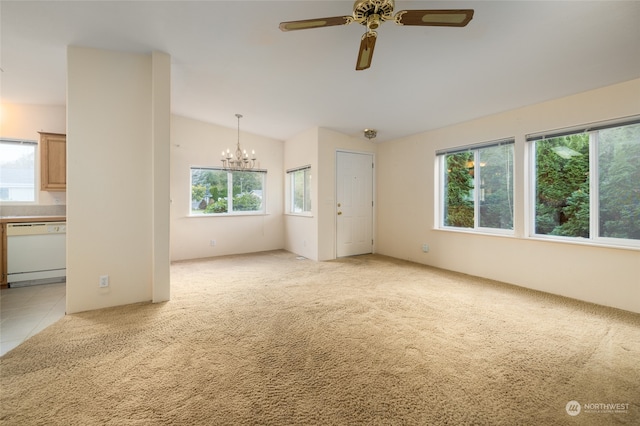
230	57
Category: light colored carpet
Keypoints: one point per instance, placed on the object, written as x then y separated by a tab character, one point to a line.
268	339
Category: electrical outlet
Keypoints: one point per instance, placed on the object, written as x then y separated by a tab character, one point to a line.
425	248
212	243
104	281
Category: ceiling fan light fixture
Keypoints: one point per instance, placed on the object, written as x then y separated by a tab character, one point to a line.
373	21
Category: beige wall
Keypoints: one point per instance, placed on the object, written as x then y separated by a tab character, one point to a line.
21	121
195	143
406	213
116	172
301	232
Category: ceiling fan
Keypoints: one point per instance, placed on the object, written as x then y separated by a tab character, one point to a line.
373	12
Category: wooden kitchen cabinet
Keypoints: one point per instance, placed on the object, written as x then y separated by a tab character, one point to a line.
53	161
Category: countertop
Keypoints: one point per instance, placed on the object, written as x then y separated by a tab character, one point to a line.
22	219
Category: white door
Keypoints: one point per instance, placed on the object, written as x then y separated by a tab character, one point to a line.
354	204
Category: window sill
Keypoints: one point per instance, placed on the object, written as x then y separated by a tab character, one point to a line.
18	203
505	233
191	216
299	214
584	242
580	242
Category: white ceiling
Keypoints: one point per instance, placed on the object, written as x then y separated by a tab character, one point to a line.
230	57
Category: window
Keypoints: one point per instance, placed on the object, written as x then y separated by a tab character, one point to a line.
17	170
300	190
477	187
587	183
217	191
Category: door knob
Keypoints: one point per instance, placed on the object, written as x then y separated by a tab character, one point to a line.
339	213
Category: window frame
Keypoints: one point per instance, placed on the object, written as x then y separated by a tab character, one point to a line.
230	211
307	200
593	180
36	164
441	190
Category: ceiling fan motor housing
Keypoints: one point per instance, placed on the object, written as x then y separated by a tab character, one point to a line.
371	12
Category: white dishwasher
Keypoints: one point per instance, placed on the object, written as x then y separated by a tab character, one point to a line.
36	253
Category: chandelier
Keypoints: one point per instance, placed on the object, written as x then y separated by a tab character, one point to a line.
240	160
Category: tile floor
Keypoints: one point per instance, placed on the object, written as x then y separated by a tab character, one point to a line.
26	311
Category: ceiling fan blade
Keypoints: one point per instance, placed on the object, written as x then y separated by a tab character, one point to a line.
315	23
438	18
365	54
